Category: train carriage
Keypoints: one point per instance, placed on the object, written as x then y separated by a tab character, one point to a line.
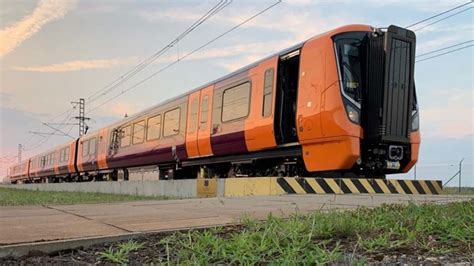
343	104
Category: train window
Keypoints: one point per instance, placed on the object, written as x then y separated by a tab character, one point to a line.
350	55
85	148
51	160
66	154
235	102
126	136
193	112
92	146
204	111
138	132
154	127
171	122
268	93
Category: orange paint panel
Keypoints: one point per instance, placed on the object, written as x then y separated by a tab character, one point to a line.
330	140
102	148
331	154
311	85
191	133
204	129
415	147
80	168
259	133
70	163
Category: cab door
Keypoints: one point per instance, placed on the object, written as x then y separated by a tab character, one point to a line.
204	125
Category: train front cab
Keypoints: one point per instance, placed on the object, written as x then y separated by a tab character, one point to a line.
357	110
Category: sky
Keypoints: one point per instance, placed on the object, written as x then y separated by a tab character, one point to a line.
53	52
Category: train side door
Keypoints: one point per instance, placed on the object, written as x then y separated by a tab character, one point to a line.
205	121
286	98
192	127
102	149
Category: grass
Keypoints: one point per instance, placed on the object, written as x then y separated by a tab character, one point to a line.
455	191
120	255
17	197
324	237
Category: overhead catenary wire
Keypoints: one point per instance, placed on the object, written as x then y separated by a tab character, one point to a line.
439	14
444	48
146	62
438	55
185	56
439	20
142	65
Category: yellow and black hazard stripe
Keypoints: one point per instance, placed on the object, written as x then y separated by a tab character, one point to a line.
353	186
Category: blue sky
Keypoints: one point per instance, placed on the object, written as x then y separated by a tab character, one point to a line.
54	52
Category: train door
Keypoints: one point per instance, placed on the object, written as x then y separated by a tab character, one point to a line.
204	126
102	149
192	148
286	98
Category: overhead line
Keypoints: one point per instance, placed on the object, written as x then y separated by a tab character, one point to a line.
438	55
217	8
439	20
439	14
441	49
186	55
146	62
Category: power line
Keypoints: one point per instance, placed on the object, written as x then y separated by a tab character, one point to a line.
146	62
438	55
214	10
185	56
437	50
439	20
439	14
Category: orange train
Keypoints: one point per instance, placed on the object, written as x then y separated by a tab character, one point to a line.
341	104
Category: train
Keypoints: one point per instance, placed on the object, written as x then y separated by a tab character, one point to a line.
340	104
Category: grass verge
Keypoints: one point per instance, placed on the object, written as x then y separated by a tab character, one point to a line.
332	237
17	197
388	234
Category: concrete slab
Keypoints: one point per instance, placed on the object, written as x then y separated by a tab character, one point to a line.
72	222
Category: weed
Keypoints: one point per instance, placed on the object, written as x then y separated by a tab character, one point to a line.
121	254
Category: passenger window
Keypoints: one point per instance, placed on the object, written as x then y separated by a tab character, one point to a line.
193	116
154	127
66	154
85	148
267	93
204	111
139	132
92	146
171	122
126	136
235	102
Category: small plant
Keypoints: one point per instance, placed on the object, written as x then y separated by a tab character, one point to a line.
121	254
116	256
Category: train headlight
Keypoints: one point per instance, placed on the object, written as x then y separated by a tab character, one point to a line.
353	114
415	120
